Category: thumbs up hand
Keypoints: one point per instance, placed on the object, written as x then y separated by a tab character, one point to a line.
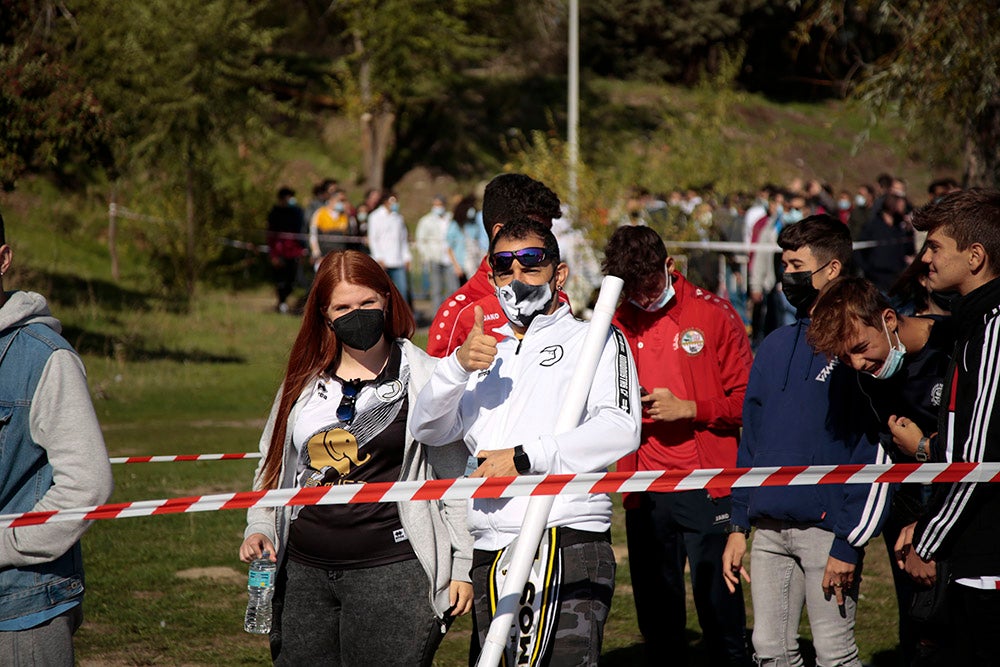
479	348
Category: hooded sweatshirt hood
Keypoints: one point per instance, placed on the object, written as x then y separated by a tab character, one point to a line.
24	308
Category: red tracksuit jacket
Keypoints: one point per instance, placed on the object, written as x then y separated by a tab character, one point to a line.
713	353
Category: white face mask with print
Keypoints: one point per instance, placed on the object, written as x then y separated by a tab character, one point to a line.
522	303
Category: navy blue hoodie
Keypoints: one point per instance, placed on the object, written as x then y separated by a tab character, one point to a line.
801	409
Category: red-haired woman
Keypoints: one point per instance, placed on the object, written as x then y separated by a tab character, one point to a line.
369	584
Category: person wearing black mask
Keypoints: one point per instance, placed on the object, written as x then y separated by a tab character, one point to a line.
800	410
357	584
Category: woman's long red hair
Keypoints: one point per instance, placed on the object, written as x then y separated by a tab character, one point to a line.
316	347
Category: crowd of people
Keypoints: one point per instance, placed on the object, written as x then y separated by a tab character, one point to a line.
449	242
882	352
877	217
865	373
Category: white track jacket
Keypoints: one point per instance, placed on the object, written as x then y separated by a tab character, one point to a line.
517	401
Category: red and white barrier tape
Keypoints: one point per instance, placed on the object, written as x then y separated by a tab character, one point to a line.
185	457
528	485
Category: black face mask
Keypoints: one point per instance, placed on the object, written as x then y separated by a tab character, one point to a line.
360	329
799	290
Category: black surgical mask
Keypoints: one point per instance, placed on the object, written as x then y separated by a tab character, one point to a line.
799	290
360	329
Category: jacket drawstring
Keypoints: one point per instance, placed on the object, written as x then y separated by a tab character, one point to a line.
791	355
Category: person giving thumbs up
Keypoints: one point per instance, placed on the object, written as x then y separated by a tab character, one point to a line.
479	349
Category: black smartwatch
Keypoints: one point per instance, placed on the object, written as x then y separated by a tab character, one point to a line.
521	462
734	528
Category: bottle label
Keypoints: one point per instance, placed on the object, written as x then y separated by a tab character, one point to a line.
260	579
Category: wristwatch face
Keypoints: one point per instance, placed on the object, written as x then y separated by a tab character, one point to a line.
521	462
921	453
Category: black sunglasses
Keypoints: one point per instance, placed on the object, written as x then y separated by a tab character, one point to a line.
350	391
528	257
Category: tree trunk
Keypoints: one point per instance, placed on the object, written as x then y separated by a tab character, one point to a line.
982	147
377	118
113	232
381	129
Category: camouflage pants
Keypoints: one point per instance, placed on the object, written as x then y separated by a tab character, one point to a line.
588	584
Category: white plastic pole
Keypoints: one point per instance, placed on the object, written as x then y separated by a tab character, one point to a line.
537	514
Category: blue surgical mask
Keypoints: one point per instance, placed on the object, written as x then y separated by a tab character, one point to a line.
792	216
292	201
860	201
394	208
339	207
437	210
665	296
894	360
844	204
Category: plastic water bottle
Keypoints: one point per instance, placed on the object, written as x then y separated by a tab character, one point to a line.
260	587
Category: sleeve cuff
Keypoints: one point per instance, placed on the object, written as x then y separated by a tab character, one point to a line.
842	550
461	567
541	454
918	534
452	370
739	513
702	411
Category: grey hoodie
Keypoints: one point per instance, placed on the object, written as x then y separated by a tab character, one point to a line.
62	422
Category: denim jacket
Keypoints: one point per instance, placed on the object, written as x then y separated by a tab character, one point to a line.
26	474
52	457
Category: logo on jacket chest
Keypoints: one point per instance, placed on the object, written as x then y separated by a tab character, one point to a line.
691	341
825	373
936	392
390	391
551	355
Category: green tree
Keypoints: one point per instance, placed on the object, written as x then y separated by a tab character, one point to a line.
944	72
185	86
676	40
402	51
50	119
